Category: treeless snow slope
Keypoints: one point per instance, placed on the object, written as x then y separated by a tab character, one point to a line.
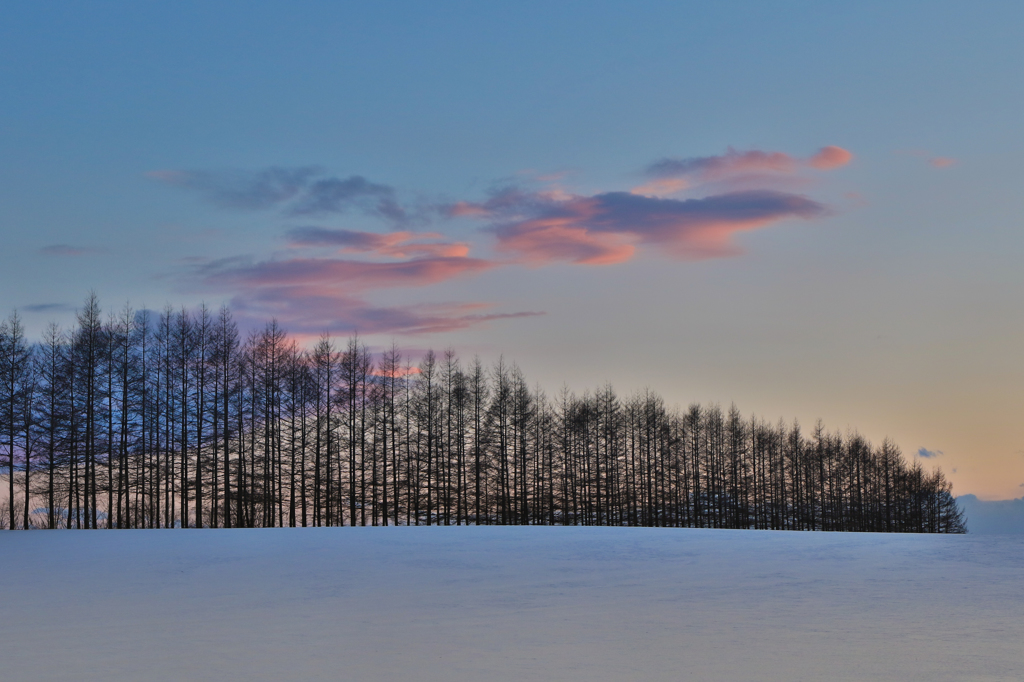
509	603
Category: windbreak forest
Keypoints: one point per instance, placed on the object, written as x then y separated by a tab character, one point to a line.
172	419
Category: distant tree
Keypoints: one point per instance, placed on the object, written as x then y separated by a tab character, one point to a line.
172	422
51	411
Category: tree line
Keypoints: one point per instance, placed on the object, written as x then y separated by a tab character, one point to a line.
172	419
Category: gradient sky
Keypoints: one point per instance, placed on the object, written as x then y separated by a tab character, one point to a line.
808	210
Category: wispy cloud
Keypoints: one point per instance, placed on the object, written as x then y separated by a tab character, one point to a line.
67	250
337	195
562	238
252	190
709	168
928	454
304	191
753	167
49	308
607	227
830	157
604	228
353	275
688	208
402	244
929	158
329	293
310	311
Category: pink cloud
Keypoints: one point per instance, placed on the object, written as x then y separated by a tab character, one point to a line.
397	373
661	187
933	161
603	228
562	238
321	282
509	200
856	199
830	157
716	168
316	294
465	208
749	167
308	311
403	244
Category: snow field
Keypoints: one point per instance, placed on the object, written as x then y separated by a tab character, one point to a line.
509	603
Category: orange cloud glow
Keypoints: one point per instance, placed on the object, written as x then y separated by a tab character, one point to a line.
736	165
546	240
467	209
321	281
603	228
830	157
403	244
661	187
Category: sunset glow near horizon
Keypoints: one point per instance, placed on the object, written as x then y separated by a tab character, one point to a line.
808	211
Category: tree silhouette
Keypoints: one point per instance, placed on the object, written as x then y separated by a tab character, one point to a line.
170	421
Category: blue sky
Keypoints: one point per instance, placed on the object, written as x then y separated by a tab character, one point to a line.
480	176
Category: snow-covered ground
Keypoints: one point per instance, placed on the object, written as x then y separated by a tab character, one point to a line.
511	603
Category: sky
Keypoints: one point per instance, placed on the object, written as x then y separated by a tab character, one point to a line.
810	211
